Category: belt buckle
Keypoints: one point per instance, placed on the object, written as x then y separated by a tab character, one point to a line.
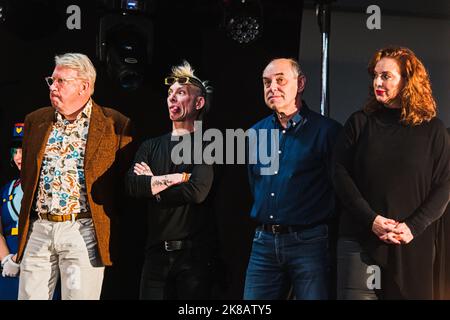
275	228
167	246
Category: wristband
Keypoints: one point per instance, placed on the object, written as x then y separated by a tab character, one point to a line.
185	177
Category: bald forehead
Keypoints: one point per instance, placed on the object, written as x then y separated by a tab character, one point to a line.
279	67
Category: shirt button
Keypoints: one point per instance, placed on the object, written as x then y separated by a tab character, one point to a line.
272	194
293	124
271	217
279	151
284	131
276	172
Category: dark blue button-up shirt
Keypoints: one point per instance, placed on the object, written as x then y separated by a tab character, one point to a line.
299	190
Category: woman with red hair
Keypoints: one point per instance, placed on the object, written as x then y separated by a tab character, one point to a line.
392	175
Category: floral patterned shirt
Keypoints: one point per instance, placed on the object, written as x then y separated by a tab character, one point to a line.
62	185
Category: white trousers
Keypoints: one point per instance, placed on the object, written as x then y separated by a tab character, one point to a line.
61	249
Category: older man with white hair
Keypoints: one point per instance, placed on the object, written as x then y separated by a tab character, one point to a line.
73	153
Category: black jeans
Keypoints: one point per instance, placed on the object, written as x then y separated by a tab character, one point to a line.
352	271
176	275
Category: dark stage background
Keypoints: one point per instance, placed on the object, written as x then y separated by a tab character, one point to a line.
191	30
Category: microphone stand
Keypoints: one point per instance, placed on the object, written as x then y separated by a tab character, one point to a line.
324	20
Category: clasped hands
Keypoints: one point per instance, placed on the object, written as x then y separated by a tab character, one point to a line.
10	268
391	231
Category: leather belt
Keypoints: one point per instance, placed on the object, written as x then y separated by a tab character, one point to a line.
64	217
175	245
279	228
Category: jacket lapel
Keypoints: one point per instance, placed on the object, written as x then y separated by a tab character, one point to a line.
97	127
41	137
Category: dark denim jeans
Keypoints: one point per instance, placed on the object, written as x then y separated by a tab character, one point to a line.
298	259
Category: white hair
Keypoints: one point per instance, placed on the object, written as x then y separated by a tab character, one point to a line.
81	63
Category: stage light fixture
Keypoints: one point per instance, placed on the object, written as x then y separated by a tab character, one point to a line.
2	12
125	43
243	20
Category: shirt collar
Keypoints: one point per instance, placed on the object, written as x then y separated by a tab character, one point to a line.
85	113
299	117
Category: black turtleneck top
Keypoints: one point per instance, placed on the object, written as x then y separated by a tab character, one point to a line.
401	172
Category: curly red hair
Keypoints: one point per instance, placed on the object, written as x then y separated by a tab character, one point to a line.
417	102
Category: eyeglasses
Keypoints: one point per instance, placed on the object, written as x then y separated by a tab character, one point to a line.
184	80
59	81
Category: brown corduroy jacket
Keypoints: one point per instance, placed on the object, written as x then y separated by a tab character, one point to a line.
106	160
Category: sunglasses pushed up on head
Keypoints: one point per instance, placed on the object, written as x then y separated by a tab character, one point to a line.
185	80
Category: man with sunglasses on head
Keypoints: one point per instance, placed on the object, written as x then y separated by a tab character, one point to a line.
181	237
74	157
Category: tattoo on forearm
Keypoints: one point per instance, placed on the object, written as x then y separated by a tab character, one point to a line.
163	182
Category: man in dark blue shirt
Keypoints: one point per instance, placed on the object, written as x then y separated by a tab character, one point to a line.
293	195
